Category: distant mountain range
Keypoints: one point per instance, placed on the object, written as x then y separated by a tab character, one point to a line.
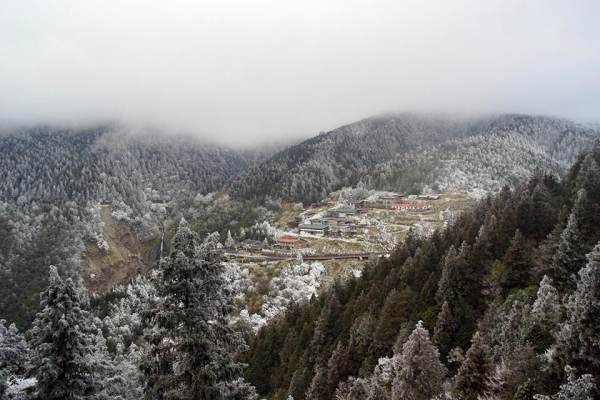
408	152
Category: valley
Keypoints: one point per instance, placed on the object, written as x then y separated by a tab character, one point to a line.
310	200
376	229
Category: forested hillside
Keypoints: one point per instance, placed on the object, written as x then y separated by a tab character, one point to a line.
499	305
52	182
506	150
308	171
409	152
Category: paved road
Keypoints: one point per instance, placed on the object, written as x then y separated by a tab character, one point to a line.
318	257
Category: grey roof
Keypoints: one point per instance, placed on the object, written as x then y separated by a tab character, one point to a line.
345	210
312	226
338	219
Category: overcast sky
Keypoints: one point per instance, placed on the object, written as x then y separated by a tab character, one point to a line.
254	70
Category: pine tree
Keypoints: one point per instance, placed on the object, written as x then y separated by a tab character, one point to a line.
569	257
583	388
14	351
525	391
192	345
299	259
579	337
62	339
338	365
518	262
470	380
318	388
447	285
300	381
14	354
510	332
547	310
125	382
229	242
585	211
419	372
444	328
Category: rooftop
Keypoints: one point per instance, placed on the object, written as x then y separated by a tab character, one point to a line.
312	226
289	239
344	209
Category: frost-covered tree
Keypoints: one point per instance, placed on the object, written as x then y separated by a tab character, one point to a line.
62	341
569	257
192	345
14	351
579	337
369	388
14	354
547	310
124	383
470	380
229	242
318	386
299	259
442	336
419	372
583	388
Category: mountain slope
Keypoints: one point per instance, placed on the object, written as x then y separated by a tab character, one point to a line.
308	171
505	150
405	152
492	289
52	182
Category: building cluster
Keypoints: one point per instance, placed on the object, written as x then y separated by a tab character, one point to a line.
340	221
283	244
343	221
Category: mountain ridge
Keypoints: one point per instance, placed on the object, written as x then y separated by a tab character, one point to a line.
333	159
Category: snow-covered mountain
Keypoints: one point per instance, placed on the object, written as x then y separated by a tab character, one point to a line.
53	182
405	152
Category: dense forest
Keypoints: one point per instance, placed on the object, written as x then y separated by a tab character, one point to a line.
307	171
500	305
506	150
52	182
409	153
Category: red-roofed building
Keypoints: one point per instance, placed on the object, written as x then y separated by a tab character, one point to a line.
291	243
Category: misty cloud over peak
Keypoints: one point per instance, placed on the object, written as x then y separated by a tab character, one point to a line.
240	72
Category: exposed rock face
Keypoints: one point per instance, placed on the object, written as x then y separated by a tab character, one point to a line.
126	257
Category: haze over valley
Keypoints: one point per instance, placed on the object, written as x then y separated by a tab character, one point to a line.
267	200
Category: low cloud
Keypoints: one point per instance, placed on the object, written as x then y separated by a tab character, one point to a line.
243	72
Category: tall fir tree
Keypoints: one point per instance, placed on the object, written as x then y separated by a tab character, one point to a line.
14	351
582	388
579	338
547	309
419	372
518	262
62	341
569	257
472	374
192	344
14	354
444	330
229	242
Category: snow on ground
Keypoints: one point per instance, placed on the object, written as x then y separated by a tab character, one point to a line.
19	386
296	282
